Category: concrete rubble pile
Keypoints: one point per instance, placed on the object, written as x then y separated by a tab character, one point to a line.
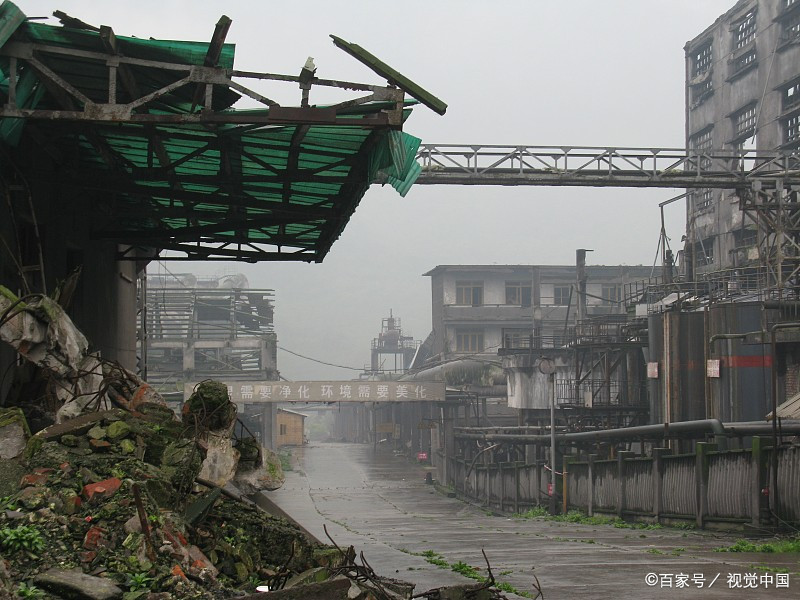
106	493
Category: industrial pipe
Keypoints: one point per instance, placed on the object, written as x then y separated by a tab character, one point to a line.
661	430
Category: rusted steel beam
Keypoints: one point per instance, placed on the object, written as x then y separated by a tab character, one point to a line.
204	77
191	232
118	113
72	22
195	252
212	58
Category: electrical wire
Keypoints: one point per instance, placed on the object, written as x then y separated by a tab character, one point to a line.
322	362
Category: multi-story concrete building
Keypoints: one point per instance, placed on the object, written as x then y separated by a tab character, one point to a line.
480	308
742	91
219	328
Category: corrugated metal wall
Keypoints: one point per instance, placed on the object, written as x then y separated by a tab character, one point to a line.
679	485
789	483
606	489
578	484
515	487
638	473
729	485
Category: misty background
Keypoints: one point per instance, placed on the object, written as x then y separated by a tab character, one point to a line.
559	73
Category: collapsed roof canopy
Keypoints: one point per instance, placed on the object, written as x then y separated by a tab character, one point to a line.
146	129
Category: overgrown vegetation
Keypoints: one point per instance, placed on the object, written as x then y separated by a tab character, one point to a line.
22	537
777	546
286	459
468	571
28	590
770	569
139	581
576	516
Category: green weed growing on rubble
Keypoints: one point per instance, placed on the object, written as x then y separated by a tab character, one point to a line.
139	581
23	537
26	590
6	503
468	571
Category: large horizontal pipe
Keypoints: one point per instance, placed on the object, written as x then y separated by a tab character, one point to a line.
489	372
661	430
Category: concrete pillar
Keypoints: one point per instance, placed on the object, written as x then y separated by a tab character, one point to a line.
188	360
758	474
416	417
268	354
590	485
269	426
448	443
537	494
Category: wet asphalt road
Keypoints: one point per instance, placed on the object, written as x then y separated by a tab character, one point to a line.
380	504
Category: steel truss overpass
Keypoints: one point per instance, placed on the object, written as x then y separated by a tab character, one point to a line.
766	182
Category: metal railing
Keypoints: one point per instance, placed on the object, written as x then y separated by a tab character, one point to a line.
599	392
610	329
747	283
180	313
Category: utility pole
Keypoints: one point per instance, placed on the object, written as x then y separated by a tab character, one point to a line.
580	264
547	366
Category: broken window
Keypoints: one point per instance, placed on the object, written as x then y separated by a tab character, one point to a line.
703	140
791	27
701	90
744	31
469	340
744	238
790	95
283	429
742	62
702	143
701	59
744	122
469	293
518	293
561	295
791	129
704	252
611	294
703	199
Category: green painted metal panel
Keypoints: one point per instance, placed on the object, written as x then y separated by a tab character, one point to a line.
235	184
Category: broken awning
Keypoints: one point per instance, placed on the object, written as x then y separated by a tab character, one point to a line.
166	161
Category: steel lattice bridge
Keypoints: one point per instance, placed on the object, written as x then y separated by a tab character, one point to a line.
608	167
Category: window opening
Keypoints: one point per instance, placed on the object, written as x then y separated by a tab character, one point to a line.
469	293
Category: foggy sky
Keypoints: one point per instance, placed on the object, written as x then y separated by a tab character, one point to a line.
577	72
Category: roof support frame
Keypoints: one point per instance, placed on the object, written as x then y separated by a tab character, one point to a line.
205	77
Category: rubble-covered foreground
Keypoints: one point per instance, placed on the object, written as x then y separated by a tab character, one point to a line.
107	505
